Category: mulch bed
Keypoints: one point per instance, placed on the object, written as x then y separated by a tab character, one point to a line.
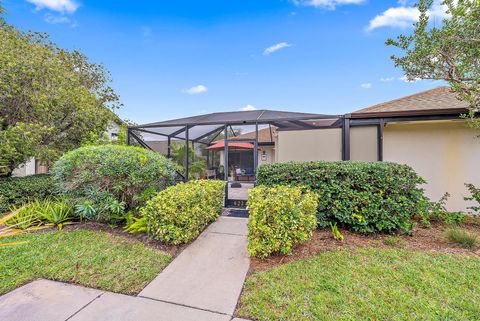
422	239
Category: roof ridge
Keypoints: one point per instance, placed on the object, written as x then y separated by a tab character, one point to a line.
401	98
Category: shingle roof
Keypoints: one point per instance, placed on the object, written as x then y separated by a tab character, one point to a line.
437	101
264	135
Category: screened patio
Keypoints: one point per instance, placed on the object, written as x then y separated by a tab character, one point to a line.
211	129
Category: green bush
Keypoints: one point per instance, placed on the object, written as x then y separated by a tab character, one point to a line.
179	213
107	180
16	191
361	196
280	217
474	197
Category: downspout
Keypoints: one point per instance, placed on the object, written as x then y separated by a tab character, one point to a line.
346	137
186	153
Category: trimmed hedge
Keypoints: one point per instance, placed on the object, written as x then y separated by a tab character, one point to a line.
180	213
361	196
112	176
16	191
280	217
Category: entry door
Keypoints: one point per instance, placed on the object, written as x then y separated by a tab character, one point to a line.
241	165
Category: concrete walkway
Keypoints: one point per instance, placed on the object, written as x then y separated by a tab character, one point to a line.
202	284
209	274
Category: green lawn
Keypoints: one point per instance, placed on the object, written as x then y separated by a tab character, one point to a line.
90	258
367	284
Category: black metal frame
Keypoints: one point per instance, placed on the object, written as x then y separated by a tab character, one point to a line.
344	122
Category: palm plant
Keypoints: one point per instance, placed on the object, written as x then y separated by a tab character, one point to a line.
195	167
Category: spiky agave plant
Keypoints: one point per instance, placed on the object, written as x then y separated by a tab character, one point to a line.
7	228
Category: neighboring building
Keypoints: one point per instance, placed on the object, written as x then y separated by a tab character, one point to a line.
33	166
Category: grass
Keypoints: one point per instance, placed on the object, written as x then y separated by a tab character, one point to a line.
461	237
89	258
394	241
366	284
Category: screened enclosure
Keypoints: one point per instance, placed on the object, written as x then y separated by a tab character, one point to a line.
218	140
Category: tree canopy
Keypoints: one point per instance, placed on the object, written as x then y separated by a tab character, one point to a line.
51	99
449	51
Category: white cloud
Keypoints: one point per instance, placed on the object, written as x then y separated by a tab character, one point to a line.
56	19
405	16
366	85
329	4
405	79
248	108
63	6
401	17
276	47
199	89
387	79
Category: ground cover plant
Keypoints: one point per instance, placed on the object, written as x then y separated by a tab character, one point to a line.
17	191
361	196
107	181
461	237
280	217
181	212
90	258
365	284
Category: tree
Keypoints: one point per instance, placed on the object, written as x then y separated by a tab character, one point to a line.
450	52
51	99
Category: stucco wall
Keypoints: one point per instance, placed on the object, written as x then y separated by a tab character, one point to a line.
269	155
445	153
363	143
309	145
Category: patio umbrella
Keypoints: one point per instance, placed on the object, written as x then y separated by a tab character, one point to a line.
232	145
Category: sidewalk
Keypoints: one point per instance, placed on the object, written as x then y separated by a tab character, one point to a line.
202	284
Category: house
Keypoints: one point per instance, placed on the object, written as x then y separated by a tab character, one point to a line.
423	130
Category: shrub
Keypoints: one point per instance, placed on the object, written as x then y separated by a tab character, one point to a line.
437	212
17	191
280	217
361	196
474	196
461	237
111	178
179	213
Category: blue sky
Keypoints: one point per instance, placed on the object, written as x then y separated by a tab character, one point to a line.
172	59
